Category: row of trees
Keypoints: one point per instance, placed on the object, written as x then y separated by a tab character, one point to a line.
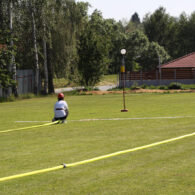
42	35
59	39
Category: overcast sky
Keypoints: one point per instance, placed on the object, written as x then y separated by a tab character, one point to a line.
119	9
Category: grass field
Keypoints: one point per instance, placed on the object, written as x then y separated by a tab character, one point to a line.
105	80
164	169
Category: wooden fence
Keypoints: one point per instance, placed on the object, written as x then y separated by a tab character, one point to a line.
161	74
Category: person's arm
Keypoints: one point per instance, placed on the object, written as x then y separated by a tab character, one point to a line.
67	111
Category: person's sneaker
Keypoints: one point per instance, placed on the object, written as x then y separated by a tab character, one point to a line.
64	121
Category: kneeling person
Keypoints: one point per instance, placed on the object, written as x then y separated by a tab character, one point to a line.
60	109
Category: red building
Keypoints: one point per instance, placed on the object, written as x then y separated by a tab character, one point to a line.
180	70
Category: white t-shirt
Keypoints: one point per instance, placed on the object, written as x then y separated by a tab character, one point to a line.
59	108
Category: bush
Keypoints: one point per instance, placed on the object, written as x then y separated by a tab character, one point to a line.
152	87
144	86
175	86
162	87
115	89
134	86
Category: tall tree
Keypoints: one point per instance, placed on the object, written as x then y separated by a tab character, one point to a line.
135	18
160	27
45	62
6	80
12	67
45	26
185	36
152	57
135	45
93	51
117	38
8	66
32	8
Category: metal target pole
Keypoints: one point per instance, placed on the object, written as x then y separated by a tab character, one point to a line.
123	52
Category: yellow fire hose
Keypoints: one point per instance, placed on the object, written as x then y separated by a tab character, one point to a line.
31	127
95	159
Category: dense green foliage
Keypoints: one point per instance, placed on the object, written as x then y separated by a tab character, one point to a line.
5	77
174	34
93	50
59	39
7	50
175	86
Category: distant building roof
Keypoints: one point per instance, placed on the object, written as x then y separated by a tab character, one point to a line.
187	61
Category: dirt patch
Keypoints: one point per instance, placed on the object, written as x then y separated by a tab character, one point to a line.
141	91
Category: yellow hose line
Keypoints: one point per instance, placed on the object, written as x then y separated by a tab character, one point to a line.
96	159
31	173
129	150
31	127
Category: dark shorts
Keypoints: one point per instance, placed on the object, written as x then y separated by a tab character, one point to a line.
61	118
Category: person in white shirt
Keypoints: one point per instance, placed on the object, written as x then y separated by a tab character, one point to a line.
60	109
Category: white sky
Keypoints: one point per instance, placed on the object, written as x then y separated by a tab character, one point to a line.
119	9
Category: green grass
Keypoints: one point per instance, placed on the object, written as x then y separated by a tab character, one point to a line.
62	82
108	80
164	169
105	80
